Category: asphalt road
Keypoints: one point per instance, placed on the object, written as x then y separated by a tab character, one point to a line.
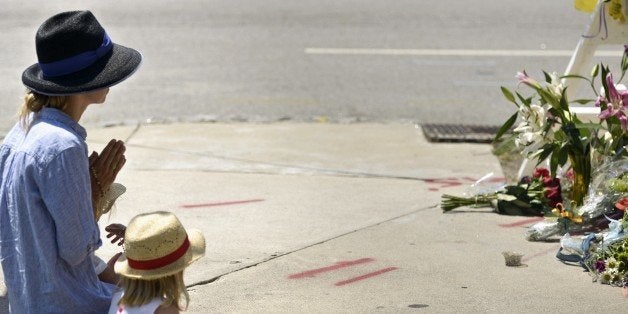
247	60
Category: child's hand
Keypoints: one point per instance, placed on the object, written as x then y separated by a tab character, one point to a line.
117	232
109	274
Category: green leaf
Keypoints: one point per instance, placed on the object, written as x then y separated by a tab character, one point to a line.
554	112
508	94
554	163
506	197
561	155
515	190
564	104
546	150
605	72
583	101
549	98
575	76
525	101
548	78
520	203
507	125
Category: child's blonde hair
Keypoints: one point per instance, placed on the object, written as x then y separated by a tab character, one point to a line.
170	289
34	102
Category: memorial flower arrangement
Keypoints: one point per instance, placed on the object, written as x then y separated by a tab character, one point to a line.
544	128
583	193
569	143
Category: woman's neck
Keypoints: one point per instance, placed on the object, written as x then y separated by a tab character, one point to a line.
75	106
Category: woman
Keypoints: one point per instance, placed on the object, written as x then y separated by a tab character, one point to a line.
51	191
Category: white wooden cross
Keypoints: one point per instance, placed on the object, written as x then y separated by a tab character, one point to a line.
603	30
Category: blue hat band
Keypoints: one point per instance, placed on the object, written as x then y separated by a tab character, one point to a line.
78	62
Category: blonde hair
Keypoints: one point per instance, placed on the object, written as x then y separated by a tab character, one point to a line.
34	102
170	289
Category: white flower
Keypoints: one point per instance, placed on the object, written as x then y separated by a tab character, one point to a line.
608	140
534	130
607	276
555	86
612	264
535	115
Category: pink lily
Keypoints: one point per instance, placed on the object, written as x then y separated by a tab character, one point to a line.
624	122
615	103
525	79
599	100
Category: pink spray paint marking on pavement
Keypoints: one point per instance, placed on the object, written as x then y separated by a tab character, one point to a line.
365	276
220	203
343	264
443	183
550	250
522	222
339	265
453	181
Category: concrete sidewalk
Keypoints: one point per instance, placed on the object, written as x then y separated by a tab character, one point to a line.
339	218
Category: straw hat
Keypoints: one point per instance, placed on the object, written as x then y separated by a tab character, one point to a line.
157	245
75	55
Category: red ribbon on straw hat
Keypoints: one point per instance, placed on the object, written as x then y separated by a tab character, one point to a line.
162	261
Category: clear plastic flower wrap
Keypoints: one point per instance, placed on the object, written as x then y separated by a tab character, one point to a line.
543	230
615	233
608	185
485	185
593	206
572	245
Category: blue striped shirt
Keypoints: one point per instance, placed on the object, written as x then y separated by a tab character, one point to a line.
47	227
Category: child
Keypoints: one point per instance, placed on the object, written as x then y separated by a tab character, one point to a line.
156	251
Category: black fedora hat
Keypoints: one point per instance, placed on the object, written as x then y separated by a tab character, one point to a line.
76	55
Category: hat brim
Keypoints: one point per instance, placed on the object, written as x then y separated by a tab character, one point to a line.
196	251
111	69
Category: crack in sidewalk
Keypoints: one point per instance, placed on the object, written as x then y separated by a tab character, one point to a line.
272	257
133	132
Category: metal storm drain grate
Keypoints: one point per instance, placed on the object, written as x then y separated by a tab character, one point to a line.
459	133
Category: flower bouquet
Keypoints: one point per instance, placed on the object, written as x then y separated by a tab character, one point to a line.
546	129
608	261
604	254
534	196
549	130
607	191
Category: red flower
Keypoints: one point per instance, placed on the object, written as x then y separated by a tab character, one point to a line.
541	173
622	204
552	191
553	196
